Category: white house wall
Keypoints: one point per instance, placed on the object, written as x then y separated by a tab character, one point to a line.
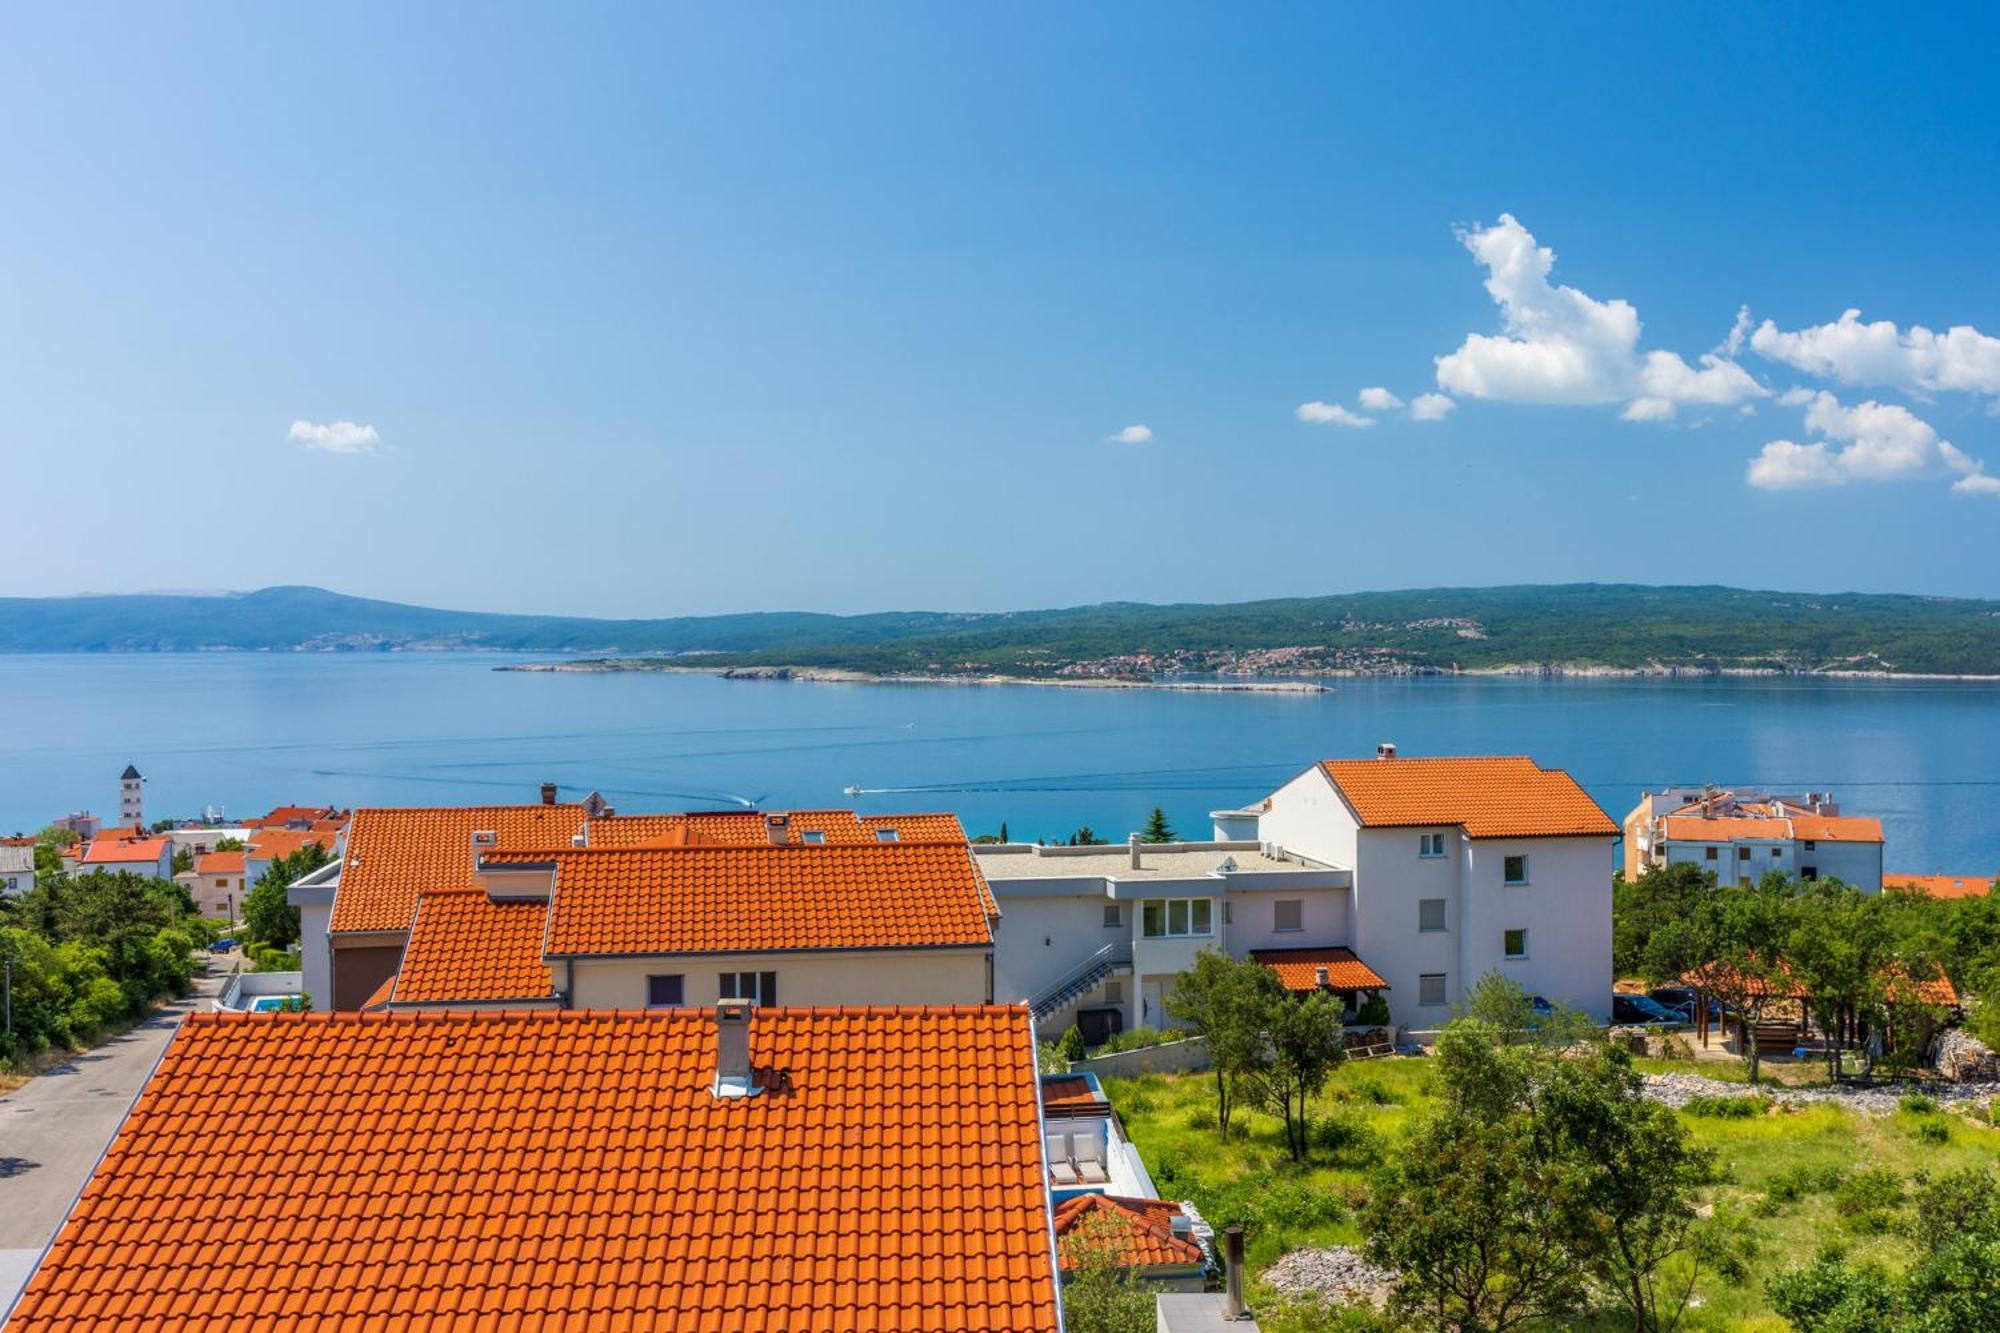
1043	937
1565	907
905	976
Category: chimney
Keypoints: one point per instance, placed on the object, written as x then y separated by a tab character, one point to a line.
1132	848
548	793
733	1075
1232	1298
1321	979
779	827
1386	750
1180	1225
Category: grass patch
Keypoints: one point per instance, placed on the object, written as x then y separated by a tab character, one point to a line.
1791	1178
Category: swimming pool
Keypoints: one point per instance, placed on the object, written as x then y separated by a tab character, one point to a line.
269	1004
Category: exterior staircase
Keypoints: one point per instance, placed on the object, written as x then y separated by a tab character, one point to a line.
1111	960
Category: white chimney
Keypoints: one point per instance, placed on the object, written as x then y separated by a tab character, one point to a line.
1320	977
779	828
1132	848
1386	750
1181	1225
733	1075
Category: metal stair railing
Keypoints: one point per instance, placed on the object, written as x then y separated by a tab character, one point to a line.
1113	957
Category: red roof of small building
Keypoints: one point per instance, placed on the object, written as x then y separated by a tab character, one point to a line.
219	863
1942	886
1298	969
271	843
1070	1094
127	852
1489	796
464	946
1141	1229
753	827
1779	828
564	1169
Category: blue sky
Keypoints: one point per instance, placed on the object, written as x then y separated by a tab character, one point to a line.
648	310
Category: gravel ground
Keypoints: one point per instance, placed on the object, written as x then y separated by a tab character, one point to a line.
1337	1272
1676	1090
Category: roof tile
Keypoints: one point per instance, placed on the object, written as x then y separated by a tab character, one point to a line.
1298	969
566	1169
395	854
1489	796
1142	1230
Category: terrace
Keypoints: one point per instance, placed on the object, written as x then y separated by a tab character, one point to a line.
1085	1145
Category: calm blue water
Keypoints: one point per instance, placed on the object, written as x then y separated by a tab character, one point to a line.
250	731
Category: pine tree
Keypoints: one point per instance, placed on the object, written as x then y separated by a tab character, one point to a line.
1157	828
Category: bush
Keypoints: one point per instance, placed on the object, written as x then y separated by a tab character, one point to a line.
1868	1191
1675	1047
1201	1120
1049	1060
1134	1039
1373	1090
1725	1244
1374	1013
1917	1103
1727	1108
1933	1130
1346	1138
1070	1046
1795	1182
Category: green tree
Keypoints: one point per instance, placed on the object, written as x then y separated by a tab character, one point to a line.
1641	906
1100	1293
1304	1039
1838	953
267	916
1086	836
1479	1224
183	861
236	844
1729	942
1228	1003
1504	1005
1157	828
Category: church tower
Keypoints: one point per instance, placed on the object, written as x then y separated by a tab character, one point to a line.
131	798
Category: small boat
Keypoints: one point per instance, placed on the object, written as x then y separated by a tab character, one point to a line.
850	791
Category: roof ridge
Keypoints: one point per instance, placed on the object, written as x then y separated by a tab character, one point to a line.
487	853
217	1018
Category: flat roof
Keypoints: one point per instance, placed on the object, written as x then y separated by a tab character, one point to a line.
1156	861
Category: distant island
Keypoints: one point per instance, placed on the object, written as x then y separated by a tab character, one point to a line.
1555	630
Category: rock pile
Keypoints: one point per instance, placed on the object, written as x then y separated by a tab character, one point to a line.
1677	1090
1963	1058
1336	1272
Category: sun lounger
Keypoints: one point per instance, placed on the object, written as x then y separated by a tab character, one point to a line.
1061	1170
1090	1160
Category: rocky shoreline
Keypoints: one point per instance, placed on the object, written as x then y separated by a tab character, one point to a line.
840	676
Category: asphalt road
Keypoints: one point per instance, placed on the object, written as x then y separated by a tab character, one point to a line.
54	1128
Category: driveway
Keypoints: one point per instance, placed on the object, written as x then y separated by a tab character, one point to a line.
54	1128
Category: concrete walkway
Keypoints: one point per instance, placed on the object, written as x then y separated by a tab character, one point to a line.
54	1127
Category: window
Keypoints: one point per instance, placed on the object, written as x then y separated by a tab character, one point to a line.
1288	914
1430	989
1430	914
1776	853
1709	852
1113	918
1809	873
887	834
1514	943
1430	844
666	992
1743	853
1514	870
1162	917
757	987
815	836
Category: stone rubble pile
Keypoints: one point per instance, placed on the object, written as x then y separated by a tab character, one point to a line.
1336	1272
1676	1090
1963	1058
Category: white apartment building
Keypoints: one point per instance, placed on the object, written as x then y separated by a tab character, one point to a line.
1740	835
1411	876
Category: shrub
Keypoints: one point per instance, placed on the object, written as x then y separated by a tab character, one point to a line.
1346	1138
1725	1243
1201	1119
1932	1130
1675	1047
1868	1191
1374	1090
1727	1108
1795	1182
1070	1046
1049	1060
1374	1013
1917	1103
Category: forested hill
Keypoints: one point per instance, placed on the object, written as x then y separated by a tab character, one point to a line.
1618	626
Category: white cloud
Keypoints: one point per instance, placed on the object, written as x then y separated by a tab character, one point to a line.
1378	399
1870	441
1331	414
1562	346
1918	360
1431	407
336	437
1132	435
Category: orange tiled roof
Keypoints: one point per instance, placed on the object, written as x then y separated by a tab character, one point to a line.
119	833
1784	828
396	853
748	899
1069	1094
544	1169
1942	886
1837	828
464	946
751	827
219	863
289	814
1298	969
379	998
1489	796
1141	1228
124	851
1936	990
271	843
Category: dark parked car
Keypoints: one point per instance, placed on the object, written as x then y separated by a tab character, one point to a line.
1642	1010
223	945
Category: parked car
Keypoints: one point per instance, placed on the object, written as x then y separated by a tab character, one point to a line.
223	945
1680	999
1642	1011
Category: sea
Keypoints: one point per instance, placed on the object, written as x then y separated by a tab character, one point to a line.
236	733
